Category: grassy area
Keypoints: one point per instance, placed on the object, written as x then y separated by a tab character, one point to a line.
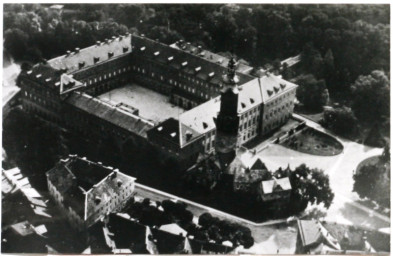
313	142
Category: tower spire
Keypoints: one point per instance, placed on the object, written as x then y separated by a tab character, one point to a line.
230	78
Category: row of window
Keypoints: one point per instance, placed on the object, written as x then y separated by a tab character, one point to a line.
108	75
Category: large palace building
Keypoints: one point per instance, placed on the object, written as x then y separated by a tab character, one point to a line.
135	88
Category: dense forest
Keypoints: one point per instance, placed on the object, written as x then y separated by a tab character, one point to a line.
344	49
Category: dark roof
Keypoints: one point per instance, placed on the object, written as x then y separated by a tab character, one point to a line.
258	165
110	113
182	60
97	239
45	75
128	234
199	247
73	177
171	130
168	243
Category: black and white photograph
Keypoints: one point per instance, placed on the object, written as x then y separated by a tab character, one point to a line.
196	128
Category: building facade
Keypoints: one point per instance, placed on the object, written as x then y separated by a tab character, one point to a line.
64	90
86	191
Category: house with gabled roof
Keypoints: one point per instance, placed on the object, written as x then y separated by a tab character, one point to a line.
87	191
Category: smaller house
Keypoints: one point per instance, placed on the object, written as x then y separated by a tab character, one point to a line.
87	191
275	189
247	177
315	237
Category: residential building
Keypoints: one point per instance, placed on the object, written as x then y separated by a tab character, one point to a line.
87	191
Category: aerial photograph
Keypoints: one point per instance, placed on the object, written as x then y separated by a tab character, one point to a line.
225	128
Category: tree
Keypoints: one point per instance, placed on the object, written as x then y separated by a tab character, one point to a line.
371	96
312	93
15	41
311	186
372	181
341	121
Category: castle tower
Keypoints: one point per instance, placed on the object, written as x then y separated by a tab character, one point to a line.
227	123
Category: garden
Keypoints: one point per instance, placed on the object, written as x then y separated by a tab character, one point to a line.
311	141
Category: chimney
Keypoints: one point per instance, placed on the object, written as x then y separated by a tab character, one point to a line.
77	50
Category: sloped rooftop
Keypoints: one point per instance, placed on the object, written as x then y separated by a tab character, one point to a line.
110	113
103	51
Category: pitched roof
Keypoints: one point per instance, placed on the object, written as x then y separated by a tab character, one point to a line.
173	228
182	60
309	231
210	56
275	185
273	86
80	59
175	132
201	118
75	177
110	113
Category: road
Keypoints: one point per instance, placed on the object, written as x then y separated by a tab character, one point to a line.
345	208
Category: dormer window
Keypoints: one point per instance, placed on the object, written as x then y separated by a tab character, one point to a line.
159	128
38	76
170	58
283	86
243	105
81	64
173	134
197	69
252	100
276	89
157	53
184	64
204	125
125	49
96	59
269	92
188	135
143	49
110	54
211	74
48	79
29	72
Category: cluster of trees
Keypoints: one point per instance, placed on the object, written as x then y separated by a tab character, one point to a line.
150	215
210	228
310	186
223	230
369	106
372	180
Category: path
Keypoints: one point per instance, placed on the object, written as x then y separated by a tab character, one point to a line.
340	169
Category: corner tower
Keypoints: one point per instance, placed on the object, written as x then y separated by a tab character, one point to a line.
227	123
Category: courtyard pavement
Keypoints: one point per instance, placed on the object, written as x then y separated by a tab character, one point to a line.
152	105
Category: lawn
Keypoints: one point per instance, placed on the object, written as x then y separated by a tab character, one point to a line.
311	141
